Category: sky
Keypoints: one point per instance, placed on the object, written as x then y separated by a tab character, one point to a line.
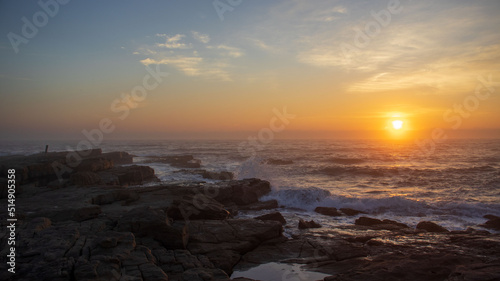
238	68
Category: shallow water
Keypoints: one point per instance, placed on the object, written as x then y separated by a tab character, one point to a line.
274	271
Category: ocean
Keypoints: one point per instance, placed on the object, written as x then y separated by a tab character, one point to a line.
454	185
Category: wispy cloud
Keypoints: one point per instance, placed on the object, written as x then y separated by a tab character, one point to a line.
189	65
229	51
173	42
262	45
436	54
194	59
203	38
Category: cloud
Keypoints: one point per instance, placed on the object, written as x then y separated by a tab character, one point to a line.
263	45
173	42
194	59
188	65
203	38
230	51
441	54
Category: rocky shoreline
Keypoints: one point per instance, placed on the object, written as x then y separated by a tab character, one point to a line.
98	221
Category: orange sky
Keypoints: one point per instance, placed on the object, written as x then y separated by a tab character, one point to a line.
343	69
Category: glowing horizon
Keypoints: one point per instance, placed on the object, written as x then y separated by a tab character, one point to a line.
343	69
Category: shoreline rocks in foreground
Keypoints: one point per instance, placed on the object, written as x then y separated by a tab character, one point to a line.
99	224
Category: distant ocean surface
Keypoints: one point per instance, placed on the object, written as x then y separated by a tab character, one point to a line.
455	185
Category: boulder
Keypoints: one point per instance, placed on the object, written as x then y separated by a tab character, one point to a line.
242	192
366	221
492	223
308	224
380	224
351	212
276	216
328	211
431	227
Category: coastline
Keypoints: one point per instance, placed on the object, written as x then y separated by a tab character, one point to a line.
100	222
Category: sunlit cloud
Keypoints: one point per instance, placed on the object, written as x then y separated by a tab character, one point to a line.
173	42
203	38
194	59
263	45
229	51
441	53
189	65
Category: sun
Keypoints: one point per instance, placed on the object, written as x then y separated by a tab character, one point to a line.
397	124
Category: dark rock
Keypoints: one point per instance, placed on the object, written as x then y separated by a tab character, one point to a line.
351	212
94	165
151	272
328	211
144	221
131	175
196	207
128	175
242	192
232	209
119	157
85	178
276	216
240	235
118	195
492	223
308	224
431	227
367	221
204	274
395	223
224	259
86	213
223	242
380	224
3	188
261	205
491	217
38	224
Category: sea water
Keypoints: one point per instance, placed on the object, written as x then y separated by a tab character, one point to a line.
454	183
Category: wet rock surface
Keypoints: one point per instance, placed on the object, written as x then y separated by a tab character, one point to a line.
276	216
308	224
